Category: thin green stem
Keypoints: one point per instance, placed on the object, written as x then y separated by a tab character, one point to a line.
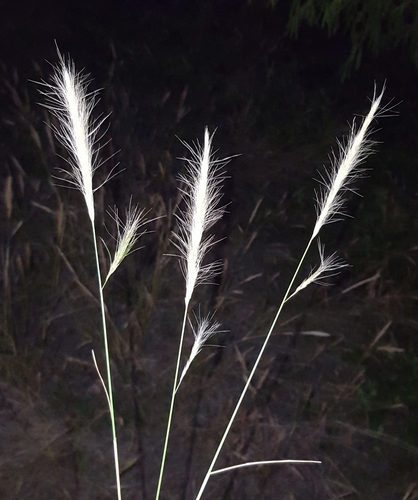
251	375
108	371
173	398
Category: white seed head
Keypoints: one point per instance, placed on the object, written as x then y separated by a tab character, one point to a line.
127	235
328	267
67	99
205	329
202	194
338	179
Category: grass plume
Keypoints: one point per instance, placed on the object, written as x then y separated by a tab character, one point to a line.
345	169
205	329
68	99
201	194
127	235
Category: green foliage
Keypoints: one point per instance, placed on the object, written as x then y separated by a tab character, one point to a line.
376	25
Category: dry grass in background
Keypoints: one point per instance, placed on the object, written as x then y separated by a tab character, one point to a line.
318	395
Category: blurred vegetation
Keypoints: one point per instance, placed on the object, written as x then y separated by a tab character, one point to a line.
375	25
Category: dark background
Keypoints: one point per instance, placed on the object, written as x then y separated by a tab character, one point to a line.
338	381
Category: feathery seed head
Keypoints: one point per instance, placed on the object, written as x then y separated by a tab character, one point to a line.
204	330
336	182
201	194
68	100
127	235
328	267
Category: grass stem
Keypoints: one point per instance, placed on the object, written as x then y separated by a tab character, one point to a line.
250	376
173	398
109	389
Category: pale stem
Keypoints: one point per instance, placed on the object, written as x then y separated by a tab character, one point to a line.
173	398
251	375
108	371
264	462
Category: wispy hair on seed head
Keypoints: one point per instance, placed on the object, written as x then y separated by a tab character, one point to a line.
336	181
69	101
205	328
328	266
127	234
201	194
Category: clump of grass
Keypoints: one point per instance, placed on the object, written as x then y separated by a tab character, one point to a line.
68	100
